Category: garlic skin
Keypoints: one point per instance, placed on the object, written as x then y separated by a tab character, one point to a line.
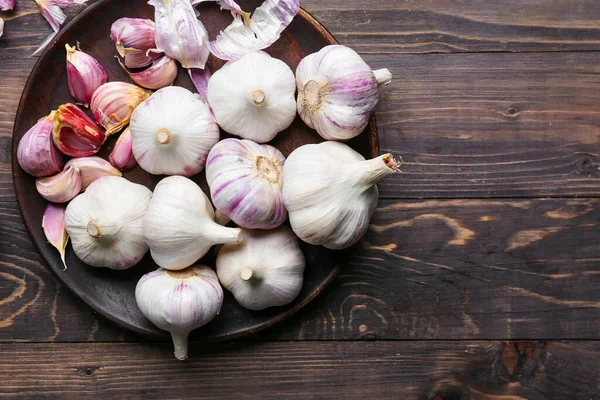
265	270
200	78
330	192
53	223
133	37
84	74
122	154
337	91
60	188
253	97
161	73
172	132
246	181
105	223
180	301
7	5
36	152
1	27
92	168
179	226
74	133
113	103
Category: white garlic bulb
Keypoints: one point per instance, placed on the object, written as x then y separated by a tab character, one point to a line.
265	270
330	192
337	91
105	223
172	132
245	181
253	97
180	224
180	301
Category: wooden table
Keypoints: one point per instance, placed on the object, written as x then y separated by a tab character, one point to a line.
479	276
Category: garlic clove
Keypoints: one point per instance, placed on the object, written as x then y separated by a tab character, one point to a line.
74	133
337	91
180	301
60	188
1	27
246	181
53	223
179	226
36	152
264	270
230	5
7	5
122	154
253	97
85	75
200	78
113	103
92	168
161	73
179	34
133	37
172	132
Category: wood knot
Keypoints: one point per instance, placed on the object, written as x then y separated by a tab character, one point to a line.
447	389
522	360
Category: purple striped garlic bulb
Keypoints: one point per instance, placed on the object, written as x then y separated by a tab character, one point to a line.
337	91
246	182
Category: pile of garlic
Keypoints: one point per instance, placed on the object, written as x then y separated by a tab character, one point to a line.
328	191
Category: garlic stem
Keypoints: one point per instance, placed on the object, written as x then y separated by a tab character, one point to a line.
246	273
180	343
370	172
258	97
163	136
223	235
383	77
93	229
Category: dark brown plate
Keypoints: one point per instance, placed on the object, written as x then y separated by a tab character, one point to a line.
111	293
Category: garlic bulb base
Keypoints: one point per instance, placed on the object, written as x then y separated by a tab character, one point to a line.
180	344
246	273
268	169
383	77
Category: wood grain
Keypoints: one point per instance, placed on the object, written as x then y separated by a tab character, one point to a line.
437	269
347	370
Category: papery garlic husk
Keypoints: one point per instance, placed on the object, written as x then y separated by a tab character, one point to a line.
113	103
180	301
53	223
74	133
330	192
246	181
161	73
92	168
265	270
51	10
253	97
106	222
180	226
36	152
230	5
133	37
172	132
122	154
337	91
200	78
179	34
62	187
85	74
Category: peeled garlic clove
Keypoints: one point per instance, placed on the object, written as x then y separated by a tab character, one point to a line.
7	5
74	133
179	34
60	188
246	181
105	223
180	301
337	91
253	97
53	223
172	132
161	73
122	154
330	192
179	225
265	270
133	37
200	78
36	152
85	75
113	103
92	168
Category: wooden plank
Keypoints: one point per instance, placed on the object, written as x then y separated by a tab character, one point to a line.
302	370
443	269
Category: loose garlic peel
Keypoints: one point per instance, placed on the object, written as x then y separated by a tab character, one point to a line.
264	270
330	192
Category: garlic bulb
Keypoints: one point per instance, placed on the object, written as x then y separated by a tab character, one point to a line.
36	152
337	91
180	301
330	192
245	181
265	270
179	226
172	132
253	97
105	223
